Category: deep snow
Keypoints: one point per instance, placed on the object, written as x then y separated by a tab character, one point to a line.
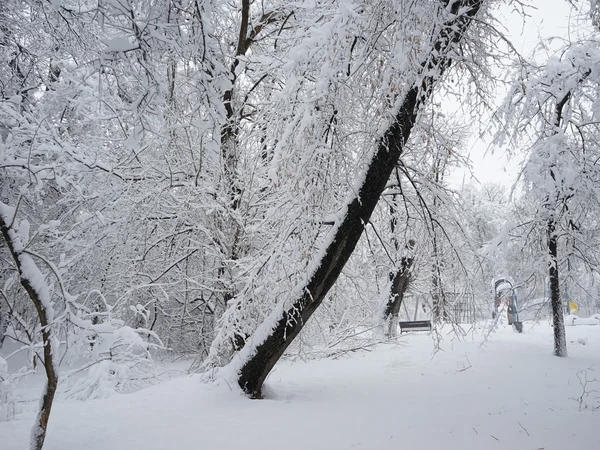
510	393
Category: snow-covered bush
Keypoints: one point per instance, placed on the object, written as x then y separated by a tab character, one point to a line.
113	357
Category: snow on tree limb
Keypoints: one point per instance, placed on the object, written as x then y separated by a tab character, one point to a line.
34	284
253	363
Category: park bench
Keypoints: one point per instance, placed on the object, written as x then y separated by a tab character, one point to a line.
415	325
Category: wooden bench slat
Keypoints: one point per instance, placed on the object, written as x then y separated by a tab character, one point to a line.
414	325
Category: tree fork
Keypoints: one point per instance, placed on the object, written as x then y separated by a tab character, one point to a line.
261	359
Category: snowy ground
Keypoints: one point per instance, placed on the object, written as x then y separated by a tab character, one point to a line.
509	394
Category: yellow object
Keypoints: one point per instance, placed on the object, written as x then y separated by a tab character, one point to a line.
573	308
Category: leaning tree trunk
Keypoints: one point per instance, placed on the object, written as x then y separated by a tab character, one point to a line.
257	358
38	293
400	283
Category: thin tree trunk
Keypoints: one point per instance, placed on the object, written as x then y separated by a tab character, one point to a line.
560	341
439	307
229	153
38	433
230	129
260	354
439	303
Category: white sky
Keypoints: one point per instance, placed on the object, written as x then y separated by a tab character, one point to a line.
550	18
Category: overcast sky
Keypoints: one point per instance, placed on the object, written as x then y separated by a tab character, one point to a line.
548	19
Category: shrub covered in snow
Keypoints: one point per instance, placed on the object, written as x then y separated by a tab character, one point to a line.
120	361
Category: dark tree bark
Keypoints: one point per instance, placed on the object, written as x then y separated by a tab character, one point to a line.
230	130
558	322
229	141
3	325
400	283
38	434
261	359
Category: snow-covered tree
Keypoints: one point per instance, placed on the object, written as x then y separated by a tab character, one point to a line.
552	111
409	81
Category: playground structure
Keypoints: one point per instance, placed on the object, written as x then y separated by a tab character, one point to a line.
505	295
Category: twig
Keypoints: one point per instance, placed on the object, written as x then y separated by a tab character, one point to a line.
525	429
465	368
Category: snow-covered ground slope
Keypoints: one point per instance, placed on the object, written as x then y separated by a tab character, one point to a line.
510	393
